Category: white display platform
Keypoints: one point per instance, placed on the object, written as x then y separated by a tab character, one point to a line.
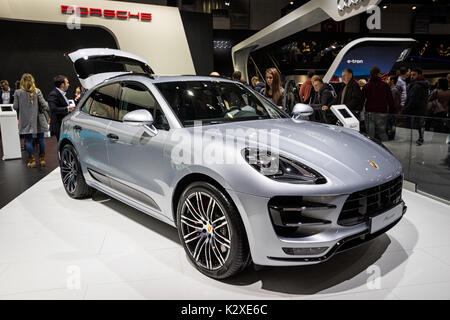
54	247
10	132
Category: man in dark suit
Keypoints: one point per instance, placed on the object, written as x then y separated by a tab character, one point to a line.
6	93
59	105
350	94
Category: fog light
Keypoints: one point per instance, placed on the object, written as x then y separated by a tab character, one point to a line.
305	251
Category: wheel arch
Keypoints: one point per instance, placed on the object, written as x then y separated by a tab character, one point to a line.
64	141
187	180
200	177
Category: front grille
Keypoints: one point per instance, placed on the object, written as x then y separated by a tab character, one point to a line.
361	205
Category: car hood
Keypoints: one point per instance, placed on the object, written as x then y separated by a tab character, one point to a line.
337	153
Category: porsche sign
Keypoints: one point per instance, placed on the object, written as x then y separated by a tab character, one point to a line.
106	13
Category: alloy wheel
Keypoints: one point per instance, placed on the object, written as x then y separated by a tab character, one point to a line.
69	170
205	230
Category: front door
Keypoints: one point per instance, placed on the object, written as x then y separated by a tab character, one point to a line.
136	161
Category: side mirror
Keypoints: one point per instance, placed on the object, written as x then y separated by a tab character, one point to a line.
140	117
302	111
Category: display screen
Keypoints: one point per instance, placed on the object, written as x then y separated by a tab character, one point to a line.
345	113
7	108
360	59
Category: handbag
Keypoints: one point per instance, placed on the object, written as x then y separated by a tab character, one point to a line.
43	117
434	106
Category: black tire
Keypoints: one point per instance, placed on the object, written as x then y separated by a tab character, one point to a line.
71	174
211	235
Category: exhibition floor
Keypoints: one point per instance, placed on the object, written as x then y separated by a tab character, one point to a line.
16	177
55	247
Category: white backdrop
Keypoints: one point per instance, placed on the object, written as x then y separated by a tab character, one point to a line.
161	41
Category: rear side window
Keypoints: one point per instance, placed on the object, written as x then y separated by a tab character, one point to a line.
87	105
104	101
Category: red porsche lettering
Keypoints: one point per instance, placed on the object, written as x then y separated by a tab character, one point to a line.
106	13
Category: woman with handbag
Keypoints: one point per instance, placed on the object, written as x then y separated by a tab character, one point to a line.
33	114
439	99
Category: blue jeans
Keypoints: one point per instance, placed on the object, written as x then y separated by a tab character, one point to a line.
29	143
376	125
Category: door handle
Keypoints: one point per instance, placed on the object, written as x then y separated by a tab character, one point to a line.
112	136
78	128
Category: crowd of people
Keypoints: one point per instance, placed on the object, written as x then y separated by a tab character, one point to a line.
299	54
377	103
428	50
38	115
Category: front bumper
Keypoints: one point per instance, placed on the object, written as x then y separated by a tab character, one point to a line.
317	243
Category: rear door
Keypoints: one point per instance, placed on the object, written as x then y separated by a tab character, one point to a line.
92	121
95	65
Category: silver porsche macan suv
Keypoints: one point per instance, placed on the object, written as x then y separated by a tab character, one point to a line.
238	178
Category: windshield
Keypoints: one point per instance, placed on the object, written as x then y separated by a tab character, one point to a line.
213	102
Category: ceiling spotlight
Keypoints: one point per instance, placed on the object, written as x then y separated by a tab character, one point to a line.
384	7
227	3
414	8
291	3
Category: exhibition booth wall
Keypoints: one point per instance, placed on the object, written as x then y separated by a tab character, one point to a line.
41	49
38	33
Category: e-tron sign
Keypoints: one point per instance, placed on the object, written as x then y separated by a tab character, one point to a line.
109	14
344	4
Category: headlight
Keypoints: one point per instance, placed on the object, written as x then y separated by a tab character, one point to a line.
280	168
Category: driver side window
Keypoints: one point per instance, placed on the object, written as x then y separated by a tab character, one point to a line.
136	96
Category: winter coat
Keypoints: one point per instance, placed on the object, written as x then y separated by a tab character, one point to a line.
323	98
33	115
417	98
305	91
353	97
377	96
443	96
259	86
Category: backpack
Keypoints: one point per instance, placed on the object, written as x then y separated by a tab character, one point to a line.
333	92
